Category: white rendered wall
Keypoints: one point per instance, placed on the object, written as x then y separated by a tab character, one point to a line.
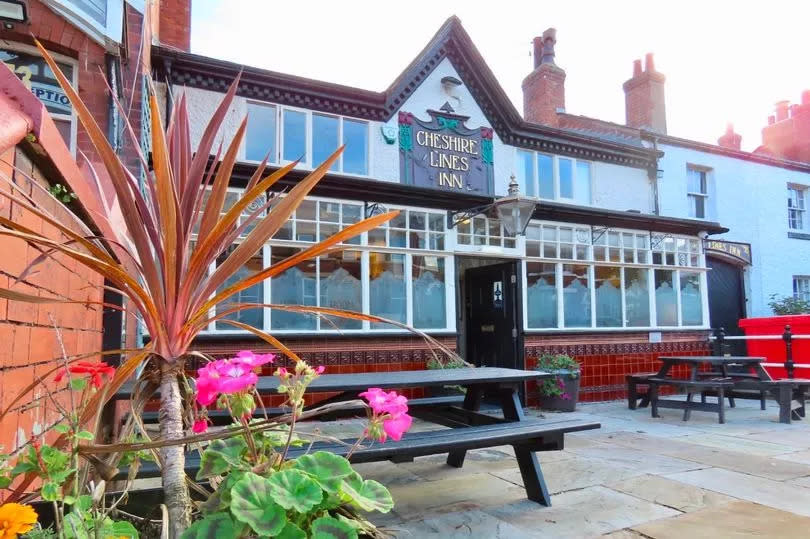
750	199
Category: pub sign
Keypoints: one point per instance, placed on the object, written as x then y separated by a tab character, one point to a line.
445	154
740	251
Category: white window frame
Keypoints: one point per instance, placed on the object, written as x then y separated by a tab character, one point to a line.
801	287
74	64
308	164
704	193
535	179
106	34
798	194
364	248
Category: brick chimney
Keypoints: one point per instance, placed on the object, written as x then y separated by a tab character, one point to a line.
787	134
644	97
544	88
730	139
174	28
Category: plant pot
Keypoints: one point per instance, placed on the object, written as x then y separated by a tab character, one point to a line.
571	390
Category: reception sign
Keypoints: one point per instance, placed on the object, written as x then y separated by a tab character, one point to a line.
445	154
35	74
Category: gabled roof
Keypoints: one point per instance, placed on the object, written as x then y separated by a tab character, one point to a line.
452	42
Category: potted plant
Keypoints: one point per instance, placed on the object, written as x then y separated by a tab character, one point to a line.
451	363
561	391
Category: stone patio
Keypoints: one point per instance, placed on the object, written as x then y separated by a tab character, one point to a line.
635	477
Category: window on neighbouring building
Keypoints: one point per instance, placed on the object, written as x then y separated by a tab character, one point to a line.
311	137
796	207
697	192
535	173
801	287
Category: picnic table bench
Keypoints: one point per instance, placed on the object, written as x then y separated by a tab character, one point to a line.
470	429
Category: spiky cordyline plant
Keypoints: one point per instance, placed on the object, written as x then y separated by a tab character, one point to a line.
161	266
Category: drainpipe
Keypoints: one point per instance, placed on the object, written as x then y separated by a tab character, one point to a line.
653	173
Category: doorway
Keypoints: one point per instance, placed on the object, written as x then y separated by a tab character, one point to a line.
492	324
727	301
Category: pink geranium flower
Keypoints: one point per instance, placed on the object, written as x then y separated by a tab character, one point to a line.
397	426
226	376
389	414
246	357
200	426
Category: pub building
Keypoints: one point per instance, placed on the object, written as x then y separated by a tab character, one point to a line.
570	258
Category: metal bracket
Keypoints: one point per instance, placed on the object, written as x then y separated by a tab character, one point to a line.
374	208
660	238
456	217
597	232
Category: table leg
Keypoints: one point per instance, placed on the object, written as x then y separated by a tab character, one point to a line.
472	402
785	397
530	470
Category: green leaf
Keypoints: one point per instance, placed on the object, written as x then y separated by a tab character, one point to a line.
218	525
23	466
5	481
85	435
368	495
119	529
291	531
78	384
332	528
84	503
61	428
50	491
327	469
220	456
293	489
74	527
252	503
220	500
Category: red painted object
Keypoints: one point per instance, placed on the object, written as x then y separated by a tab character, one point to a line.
774	349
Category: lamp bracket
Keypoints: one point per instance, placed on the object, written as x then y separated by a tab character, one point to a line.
374	208
657	238
597	232
459	216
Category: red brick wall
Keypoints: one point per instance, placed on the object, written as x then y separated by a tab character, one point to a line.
790	138
28	342
175	23
644	101
543	94
58	35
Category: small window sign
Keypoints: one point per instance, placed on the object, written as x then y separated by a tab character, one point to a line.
497	295
655	336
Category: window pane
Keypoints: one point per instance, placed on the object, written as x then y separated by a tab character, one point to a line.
253	294
341	288
355	156
524	172
387	287
697	206
608	296
541	295
665	300
295	135
566	178
545	175
429	293
636	297
691	301
261	132
582	189
296	286
324	139
576	296
64	127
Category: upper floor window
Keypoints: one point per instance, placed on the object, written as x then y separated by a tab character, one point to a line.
801	287
102	20
697	191
796	207
553	177
287	134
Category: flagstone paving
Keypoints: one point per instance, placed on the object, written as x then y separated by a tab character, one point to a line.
638	477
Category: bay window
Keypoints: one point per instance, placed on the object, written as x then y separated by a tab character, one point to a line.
290	134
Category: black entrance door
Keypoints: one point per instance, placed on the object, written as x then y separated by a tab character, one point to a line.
726	301
492	329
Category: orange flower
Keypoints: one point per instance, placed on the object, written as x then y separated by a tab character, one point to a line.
15	519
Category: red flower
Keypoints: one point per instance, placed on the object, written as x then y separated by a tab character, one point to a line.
94	371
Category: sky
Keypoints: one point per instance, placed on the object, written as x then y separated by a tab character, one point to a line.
724	61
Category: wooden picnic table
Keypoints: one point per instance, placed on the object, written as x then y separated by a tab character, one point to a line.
471	428
725	366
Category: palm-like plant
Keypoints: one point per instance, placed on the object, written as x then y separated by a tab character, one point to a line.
175	228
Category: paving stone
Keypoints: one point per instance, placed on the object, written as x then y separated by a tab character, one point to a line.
776	468
416	501
670	493
776	494
737	443
641	461
623	534
734	520
587	512
467	524
802	457
796	438
801	481
386	473
575	474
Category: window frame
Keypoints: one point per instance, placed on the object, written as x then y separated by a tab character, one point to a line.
278	158
800	211
555	167
801	287
703	194
61	58
112	28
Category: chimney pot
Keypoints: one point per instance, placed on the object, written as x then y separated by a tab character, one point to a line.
806	97
794	109
771	119
544	88
636	68
730	139
781	110
649	63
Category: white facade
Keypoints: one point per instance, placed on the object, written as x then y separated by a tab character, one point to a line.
750	199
